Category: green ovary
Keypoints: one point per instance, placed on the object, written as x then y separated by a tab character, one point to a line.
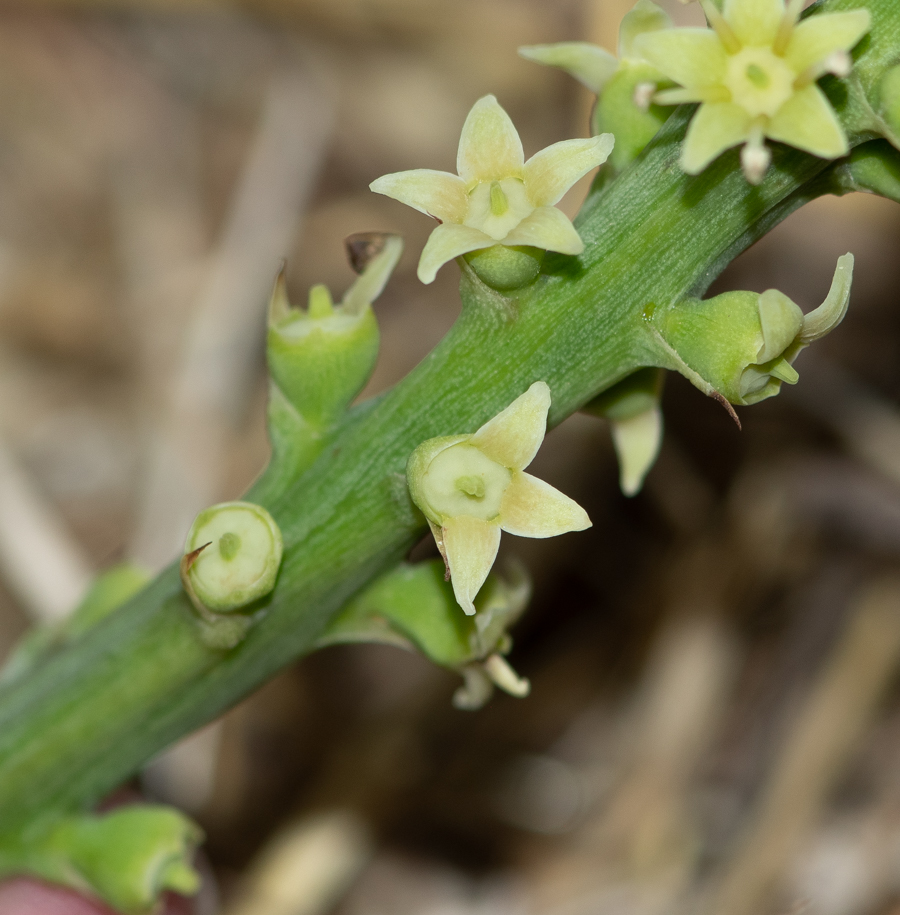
759	81
461	480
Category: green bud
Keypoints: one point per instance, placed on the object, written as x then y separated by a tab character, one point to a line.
129	856
322	357
635	419
740	345
232	556
506	268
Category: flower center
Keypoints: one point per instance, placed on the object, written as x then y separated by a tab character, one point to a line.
462	480
228	573
759	81
471	485
758	76
497	207
229	544
499	203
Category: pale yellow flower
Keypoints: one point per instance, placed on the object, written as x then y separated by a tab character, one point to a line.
470	487
497	197
754	73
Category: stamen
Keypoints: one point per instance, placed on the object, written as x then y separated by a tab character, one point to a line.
838	63
720	27
499	203
711	94
643	95
788	21
755	156
505	677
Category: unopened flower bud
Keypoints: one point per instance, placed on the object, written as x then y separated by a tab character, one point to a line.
755	161
740	345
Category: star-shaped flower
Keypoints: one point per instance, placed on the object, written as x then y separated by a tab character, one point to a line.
470	487
755	74
497	198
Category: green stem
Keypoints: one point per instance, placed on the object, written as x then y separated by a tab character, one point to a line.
91	716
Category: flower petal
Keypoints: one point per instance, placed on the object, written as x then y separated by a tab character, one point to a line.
514	435
806	120
590	65
533	508
501	673
445	243
690	57
470	546
780	320
645	16
552	171
637	440
830	313
372	280
715	128
547	228
755	22
818	36
434	193
489	147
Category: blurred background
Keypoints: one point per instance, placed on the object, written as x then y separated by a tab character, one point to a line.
714	724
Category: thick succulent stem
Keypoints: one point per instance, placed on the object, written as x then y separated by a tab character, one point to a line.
91	716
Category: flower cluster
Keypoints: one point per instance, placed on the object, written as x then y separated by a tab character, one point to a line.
754	73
